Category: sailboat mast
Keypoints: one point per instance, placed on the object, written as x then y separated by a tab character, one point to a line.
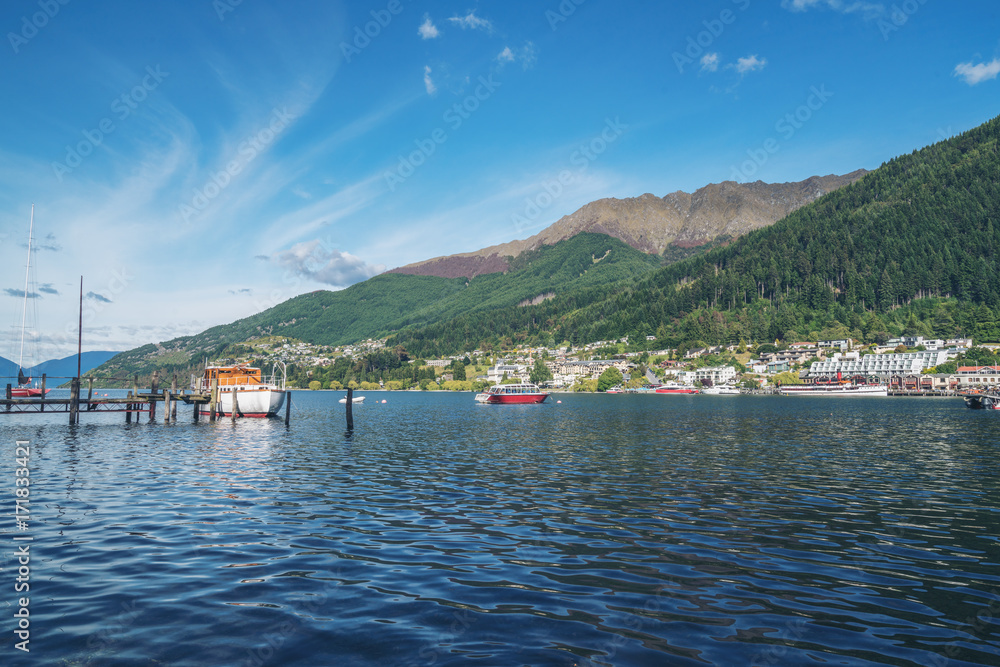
27	270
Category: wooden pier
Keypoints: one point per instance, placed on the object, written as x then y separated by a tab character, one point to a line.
135	404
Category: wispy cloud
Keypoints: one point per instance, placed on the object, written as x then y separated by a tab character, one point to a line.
974	74
19	293
749	64
427	29
94	296
314	261
472	22
527	55
710	62
869	9
428	81
47	288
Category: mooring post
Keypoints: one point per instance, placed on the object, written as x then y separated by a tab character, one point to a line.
288	405
167	400
173	402
236	405
41	408
74	401
154	381
8	396
350	409
213	400
128	409
90	393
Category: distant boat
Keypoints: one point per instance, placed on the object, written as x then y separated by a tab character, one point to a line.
355	399
24	388
982	401
721	390
512	394
674	388
834	389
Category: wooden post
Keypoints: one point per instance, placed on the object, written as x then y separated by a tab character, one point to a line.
90	393
135	385
41	408
288	405
152	395
173	402
167	399
128	410
8	396
350	409
236	405
74	401
213	402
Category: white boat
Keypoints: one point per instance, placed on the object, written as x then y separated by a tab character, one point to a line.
25	388
721	390
243	386
834	389
354	399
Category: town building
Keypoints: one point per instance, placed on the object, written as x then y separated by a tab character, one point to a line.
883	366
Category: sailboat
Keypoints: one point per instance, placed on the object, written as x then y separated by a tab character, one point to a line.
24	388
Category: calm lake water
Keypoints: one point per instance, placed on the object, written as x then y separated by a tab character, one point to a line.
605	530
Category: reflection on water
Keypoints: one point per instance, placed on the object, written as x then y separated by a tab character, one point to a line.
606	530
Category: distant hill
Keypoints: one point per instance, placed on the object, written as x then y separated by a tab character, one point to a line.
55	368
390	302
912	246
654	224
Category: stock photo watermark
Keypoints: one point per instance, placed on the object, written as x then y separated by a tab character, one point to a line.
363	35
786	127
552	189
223	7
565	9
122	107
455	117
698	44
22	515
899	15
248	149
37	21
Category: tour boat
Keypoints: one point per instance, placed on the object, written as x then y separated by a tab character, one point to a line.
253	396
674	388
834	389
721	390
524	392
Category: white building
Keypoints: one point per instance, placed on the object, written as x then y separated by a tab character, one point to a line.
716	374
878	365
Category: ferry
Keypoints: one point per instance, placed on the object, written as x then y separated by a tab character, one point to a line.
834	389
674	388
721	390
524	392
254	396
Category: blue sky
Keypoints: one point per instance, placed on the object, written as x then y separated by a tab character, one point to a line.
198	161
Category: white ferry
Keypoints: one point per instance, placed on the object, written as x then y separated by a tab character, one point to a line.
253	396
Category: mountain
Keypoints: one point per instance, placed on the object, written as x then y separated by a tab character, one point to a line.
653	224
390	302
56	368
912	246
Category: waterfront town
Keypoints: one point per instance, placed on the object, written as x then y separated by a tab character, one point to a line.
912	364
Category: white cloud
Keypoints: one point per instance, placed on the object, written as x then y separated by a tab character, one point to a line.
314	261
472	22
428	81
427	29
974	74
526	55
710	62
870	9
749	64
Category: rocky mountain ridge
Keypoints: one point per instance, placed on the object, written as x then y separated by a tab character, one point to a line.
652	224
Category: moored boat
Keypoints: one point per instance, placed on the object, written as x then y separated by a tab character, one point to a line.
674	388
981	401
354	399
834	389
524	392
721	390
243	385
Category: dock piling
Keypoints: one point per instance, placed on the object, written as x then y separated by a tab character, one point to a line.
288	406
74	401
213	403
42	409
350	409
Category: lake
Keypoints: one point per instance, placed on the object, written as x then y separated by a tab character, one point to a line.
602	530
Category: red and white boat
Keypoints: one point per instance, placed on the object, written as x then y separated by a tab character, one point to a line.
674	388
253	396
524	392
24	388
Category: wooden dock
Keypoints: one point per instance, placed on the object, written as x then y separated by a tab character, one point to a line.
135	404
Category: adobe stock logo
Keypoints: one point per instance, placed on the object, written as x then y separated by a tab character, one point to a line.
38	20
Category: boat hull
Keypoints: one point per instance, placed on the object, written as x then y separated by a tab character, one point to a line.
252	402
982	402
676	390
833	390
514	399
27	392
